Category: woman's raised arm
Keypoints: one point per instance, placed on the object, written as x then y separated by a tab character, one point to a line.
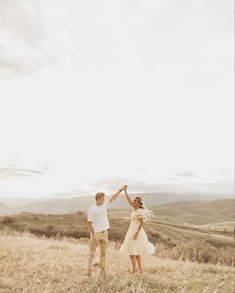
128	197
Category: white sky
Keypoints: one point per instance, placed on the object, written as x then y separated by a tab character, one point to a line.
95	94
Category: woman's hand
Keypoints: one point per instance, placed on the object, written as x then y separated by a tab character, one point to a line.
125	187
136	236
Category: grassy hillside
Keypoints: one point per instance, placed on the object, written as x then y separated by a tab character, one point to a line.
30	264
196	213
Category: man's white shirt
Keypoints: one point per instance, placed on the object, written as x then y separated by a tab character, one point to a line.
99	217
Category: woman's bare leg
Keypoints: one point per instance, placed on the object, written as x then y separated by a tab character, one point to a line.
138	258
134	263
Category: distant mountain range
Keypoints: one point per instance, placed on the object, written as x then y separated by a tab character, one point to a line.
68	205
4	209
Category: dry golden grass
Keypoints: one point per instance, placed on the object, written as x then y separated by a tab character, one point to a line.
199	251
31	264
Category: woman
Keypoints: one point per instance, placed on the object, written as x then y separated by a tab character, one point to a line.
136	241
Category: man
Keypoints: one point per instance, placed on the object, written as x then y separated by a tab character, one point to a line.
98	225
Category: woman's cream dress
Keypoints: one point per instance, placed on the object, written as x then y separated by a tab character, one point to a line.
140	246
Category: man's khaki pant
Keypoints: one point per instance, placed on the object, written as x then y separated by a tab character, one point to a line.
100	238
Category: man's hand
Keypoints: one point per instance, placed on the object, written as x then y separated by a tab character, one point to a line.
91	228
125	187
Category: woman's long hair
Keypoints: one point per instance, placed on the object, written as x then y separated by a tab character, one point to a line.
147	213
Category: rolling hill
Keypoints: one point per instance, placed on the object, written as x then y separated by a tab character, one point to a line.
69	205
4	209
197	213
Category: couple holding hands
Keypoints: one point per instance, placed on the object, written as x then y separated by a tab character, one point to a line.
136	241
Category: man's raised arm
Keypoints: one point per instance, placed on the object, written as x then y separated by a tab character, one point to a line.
116	195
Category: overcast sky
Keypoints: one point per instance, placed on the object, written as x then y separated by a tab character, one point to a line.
96	94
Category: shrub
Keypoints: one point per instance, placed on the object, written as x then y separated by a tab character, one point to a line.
199	251
49	227
7	220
